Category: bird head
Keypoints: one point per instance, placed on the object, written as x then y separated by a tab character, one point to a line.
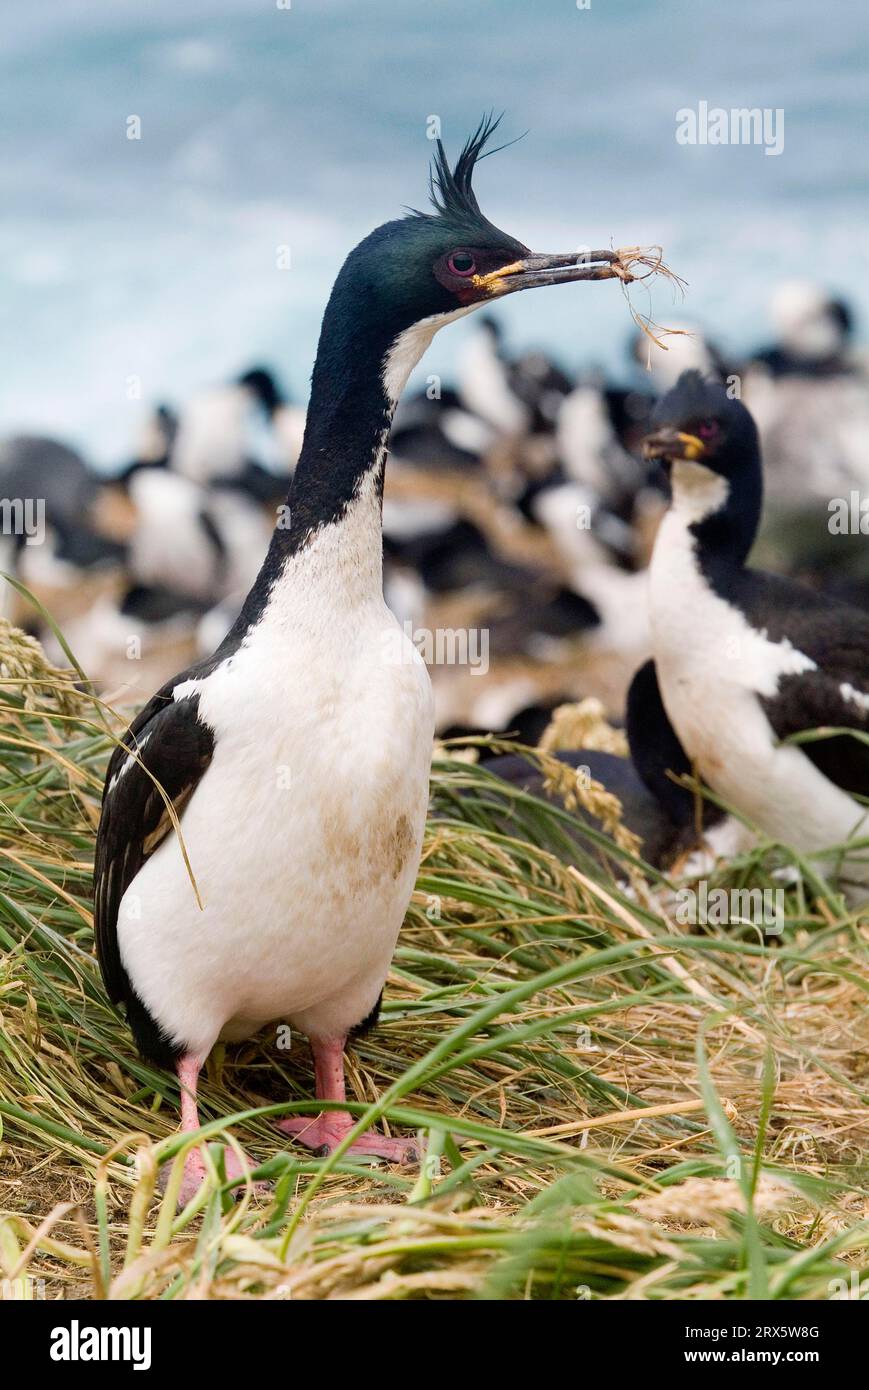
411	276
261	385
703	436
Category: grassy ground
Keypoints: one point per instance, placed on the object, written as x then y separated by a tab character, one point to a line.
615	1106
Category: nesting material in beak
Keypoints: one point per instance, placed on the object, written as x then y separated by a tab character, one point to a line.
534	270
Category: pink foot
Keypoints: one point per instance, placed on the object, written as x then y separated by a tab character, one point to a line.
325	1132
195	1171
188	1068
194	1177
235	1168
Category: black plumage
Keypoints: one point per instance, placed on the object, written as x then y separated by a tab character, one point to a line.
166	747
836	638
658	756
662	837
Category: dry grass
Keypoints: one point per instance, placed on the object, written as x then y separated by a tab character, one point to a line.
615	1107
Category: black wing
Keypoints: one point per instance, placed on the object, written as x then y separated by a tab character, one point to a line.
836	638
642	812
655	748
175	747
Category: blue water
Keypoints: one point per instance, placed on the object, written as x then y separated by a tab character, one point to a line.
156	259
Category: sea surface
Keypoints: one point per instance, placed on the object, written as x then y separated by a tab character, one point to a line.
137	270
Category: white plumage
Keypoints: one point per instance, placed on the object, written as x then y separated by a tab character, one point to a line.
304	832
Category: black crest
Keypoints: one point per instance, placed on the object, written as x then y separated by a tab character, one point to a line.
451	187
452	192
692	395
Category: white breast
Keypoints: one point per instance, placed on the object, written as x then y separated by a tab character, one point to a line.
305	832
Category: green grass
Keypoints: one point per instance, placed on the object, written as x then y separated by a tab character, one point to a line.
614	1106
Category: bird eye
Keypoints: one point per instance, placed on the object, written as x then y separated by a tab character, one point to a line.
707	429
461	263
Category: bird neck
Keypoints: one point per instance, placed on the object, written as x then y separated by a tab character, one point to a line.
722	514
359	374
328	537
347	425
724	540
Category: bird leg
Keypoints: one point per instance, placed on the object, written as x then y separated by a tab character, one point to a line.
188	1068
326	1131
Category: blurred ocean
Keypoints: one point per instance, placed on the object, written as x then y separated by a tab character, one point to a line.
264	127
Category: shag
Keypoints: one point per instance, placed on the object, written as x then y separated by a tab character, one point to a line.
813	332
215	433
52	536
438	434
297	755
744	661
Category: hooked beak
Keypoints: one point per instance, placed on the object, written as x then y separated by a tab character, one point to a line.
670	444
533	271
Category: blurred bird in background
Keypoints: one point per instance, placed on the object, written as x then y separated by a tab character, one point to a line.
518	503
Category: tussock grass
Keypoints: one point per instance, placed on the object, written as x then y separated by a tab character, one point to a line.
614	1106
